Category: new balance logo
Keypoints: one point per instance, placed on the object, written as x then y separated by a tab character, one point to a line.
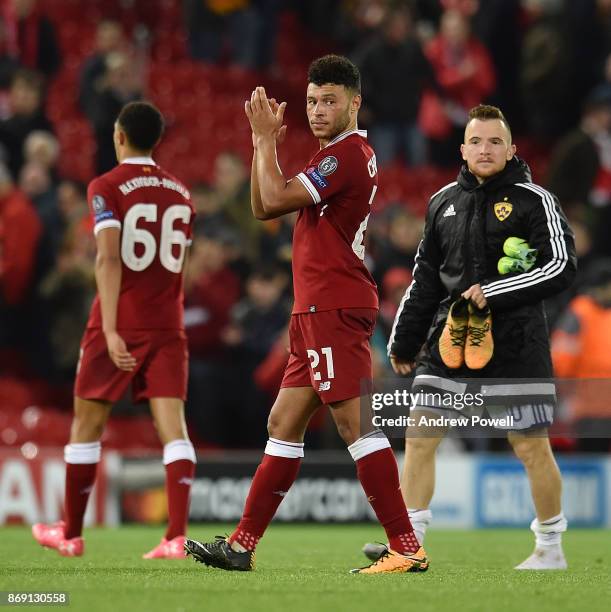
281	493
325	386
450	212
186	481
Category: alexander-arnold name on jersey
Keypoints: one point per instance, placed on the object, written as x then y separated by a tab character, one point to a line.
152	181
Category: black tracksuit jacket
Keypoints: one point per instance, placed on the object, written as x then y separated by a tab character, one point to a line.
466	226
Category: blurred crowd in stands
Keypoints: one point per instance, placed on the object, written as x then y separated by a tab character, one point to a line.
424	64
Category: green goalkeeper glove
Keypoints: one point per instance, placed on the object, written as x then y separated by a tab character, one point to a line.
520	257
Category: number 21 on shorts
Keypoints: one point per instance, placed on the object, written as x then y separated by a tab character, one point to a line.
315	360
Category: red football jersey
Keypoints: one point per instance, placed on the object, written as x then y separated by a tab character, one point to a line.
153	210
328	249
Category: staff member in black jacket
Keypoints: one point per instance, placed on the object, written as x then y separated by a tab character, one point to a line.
467	224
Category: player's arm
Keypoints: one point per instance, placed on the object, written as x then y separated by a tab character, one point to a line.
271	194
278	196
255	194
108	280
260	211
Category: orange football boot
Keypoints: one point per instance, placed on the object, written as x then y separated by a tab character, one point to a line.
454	335
392	562
480	346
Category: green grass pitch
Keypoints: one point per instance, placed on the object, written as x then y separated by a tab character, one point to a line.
304	568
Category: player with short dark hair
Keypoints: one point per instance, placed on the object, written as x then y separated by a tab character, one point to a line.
143	125
333	69
135	335
333	317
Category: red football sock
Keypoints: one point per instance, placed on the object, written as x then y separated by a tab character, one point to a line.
178	479
379	478
79	483
272	481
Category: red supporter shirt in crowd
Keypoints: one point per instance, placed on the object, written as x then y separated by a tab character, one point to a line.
328	242
207	311
153	210
20	232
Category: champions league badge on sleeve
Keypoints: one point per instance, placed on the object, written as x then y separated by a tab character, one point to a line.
328	165
98	203
99	208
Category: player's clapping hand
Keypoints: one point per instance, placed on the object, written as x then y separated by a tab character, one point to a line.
280	135
117	349
401	367
263	120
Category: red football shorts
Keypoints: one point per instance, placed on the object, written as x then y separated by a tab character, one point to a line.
161	369
329	351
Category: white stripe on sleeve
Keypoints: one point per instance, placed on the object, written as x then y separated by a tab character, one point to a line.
106	224
307	183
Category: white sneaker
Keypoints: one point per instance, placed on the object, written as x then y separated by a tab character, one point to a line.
541	559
